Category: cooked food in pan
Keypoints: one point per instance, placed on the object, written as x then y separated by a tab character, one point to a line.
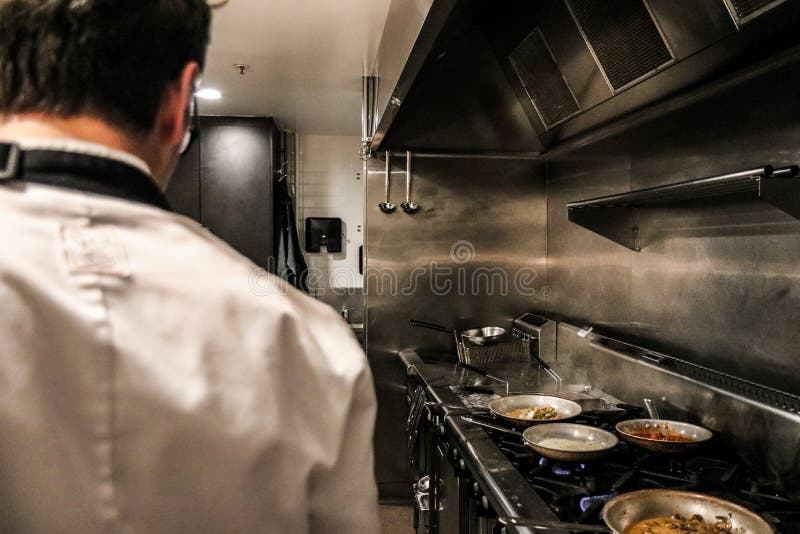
531	414
572	445
659	433
678	524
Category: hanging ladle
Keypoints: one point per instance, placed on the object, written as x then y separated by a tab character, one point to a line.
409	206
388	207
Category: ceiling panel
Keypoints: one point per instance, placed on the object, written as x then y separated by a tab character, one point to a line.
306	60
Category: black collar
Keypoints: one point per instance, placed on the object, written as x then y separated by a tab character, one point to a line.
91	174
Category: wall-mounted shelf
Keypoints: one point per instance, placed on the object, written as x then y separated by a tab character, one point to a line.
616	216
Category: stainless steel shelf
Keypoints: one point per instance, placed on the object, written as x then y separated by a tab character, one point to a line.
616	216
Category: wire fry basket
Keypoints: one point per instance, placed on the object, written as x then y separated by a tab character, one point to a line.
508	350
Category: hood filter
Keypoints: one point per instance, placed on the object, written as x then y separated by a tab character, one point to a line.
744	11
543	81
623	37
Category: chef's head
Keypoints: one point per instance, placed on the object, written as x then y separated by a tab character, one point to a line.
128	66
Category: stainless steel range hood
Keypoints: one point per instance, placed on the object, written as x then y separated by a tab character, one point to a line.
574	65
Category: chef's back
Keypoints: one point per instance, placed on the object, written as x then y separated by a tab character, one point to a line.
151	378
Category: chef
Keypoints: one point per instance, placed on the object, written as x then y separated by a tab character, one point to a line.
145	384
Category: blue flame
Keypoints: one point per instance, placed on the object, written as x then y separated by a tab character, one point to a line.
586	502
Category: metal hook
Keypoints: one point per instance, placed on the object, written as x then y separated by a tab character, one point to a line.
409	206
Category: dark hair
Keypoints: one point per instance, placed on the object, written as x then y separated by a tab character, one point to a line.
110	58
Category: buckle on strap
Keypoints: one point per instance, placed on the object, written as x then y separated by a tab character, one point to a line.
10	155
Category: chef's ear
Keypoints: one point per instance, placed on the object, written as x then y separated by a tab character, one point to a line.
173	119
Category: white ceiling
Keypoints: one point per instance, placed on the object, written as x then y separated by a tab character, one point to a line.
306	57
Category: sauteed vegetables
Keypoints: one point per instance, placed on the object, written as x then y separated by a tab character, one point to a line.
546	412
678	524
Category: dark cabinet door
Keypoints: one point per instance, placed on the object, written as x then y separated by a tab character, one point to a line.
183	191
225	183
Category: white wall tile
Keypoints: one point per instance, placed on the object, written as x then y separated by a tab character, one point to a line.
327	186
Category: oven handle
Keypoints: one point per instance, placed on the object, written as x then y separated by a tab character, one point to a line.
422	494
423	501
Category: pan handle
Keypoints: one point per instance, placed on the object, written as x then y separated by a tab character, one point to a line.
474	369
484	373
541	524
628	407
651	408
431	326
490	425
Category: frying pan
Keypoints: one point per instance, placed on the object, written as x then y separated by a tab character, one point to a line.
697	434
566	409
588	442
623	512
628	509
489	335
535	435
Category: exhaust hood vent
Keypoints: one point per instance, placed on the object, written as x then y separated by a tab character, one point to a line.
543	81
744	11
624	39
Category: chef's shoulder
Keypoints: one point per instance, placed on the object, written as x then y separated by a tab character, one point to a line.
248	298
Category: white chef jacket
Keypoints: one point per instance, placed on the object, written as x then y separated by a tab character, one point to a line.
153	380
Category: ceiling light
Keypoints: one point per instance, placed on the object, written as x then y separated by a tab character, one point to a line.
208	94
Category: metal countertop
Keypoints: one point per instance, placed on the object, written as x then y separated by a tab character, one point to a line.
505	487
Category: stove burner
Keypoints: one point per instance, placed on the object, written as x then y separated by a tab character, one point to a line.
561	469
577	492
587	502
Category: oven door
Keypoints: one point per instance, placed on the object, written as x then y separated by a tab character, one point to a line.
460	505
451	508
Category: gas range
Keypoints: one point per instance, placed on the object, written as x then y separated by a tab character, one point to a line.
481	480
576	492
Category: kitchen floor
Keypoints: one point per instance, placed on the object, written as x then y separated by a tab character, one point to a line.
397	519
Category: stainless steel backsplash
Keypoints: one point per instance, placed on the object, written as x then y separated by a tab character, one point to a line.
716	284
768	439
475	214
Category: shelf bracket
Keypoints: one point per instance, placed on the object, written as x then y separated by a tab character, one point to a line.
619	224
781	190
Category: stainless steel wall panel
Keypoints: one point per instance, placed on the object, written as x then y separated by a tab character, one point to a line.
588	276
479	217
715	283
727	299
